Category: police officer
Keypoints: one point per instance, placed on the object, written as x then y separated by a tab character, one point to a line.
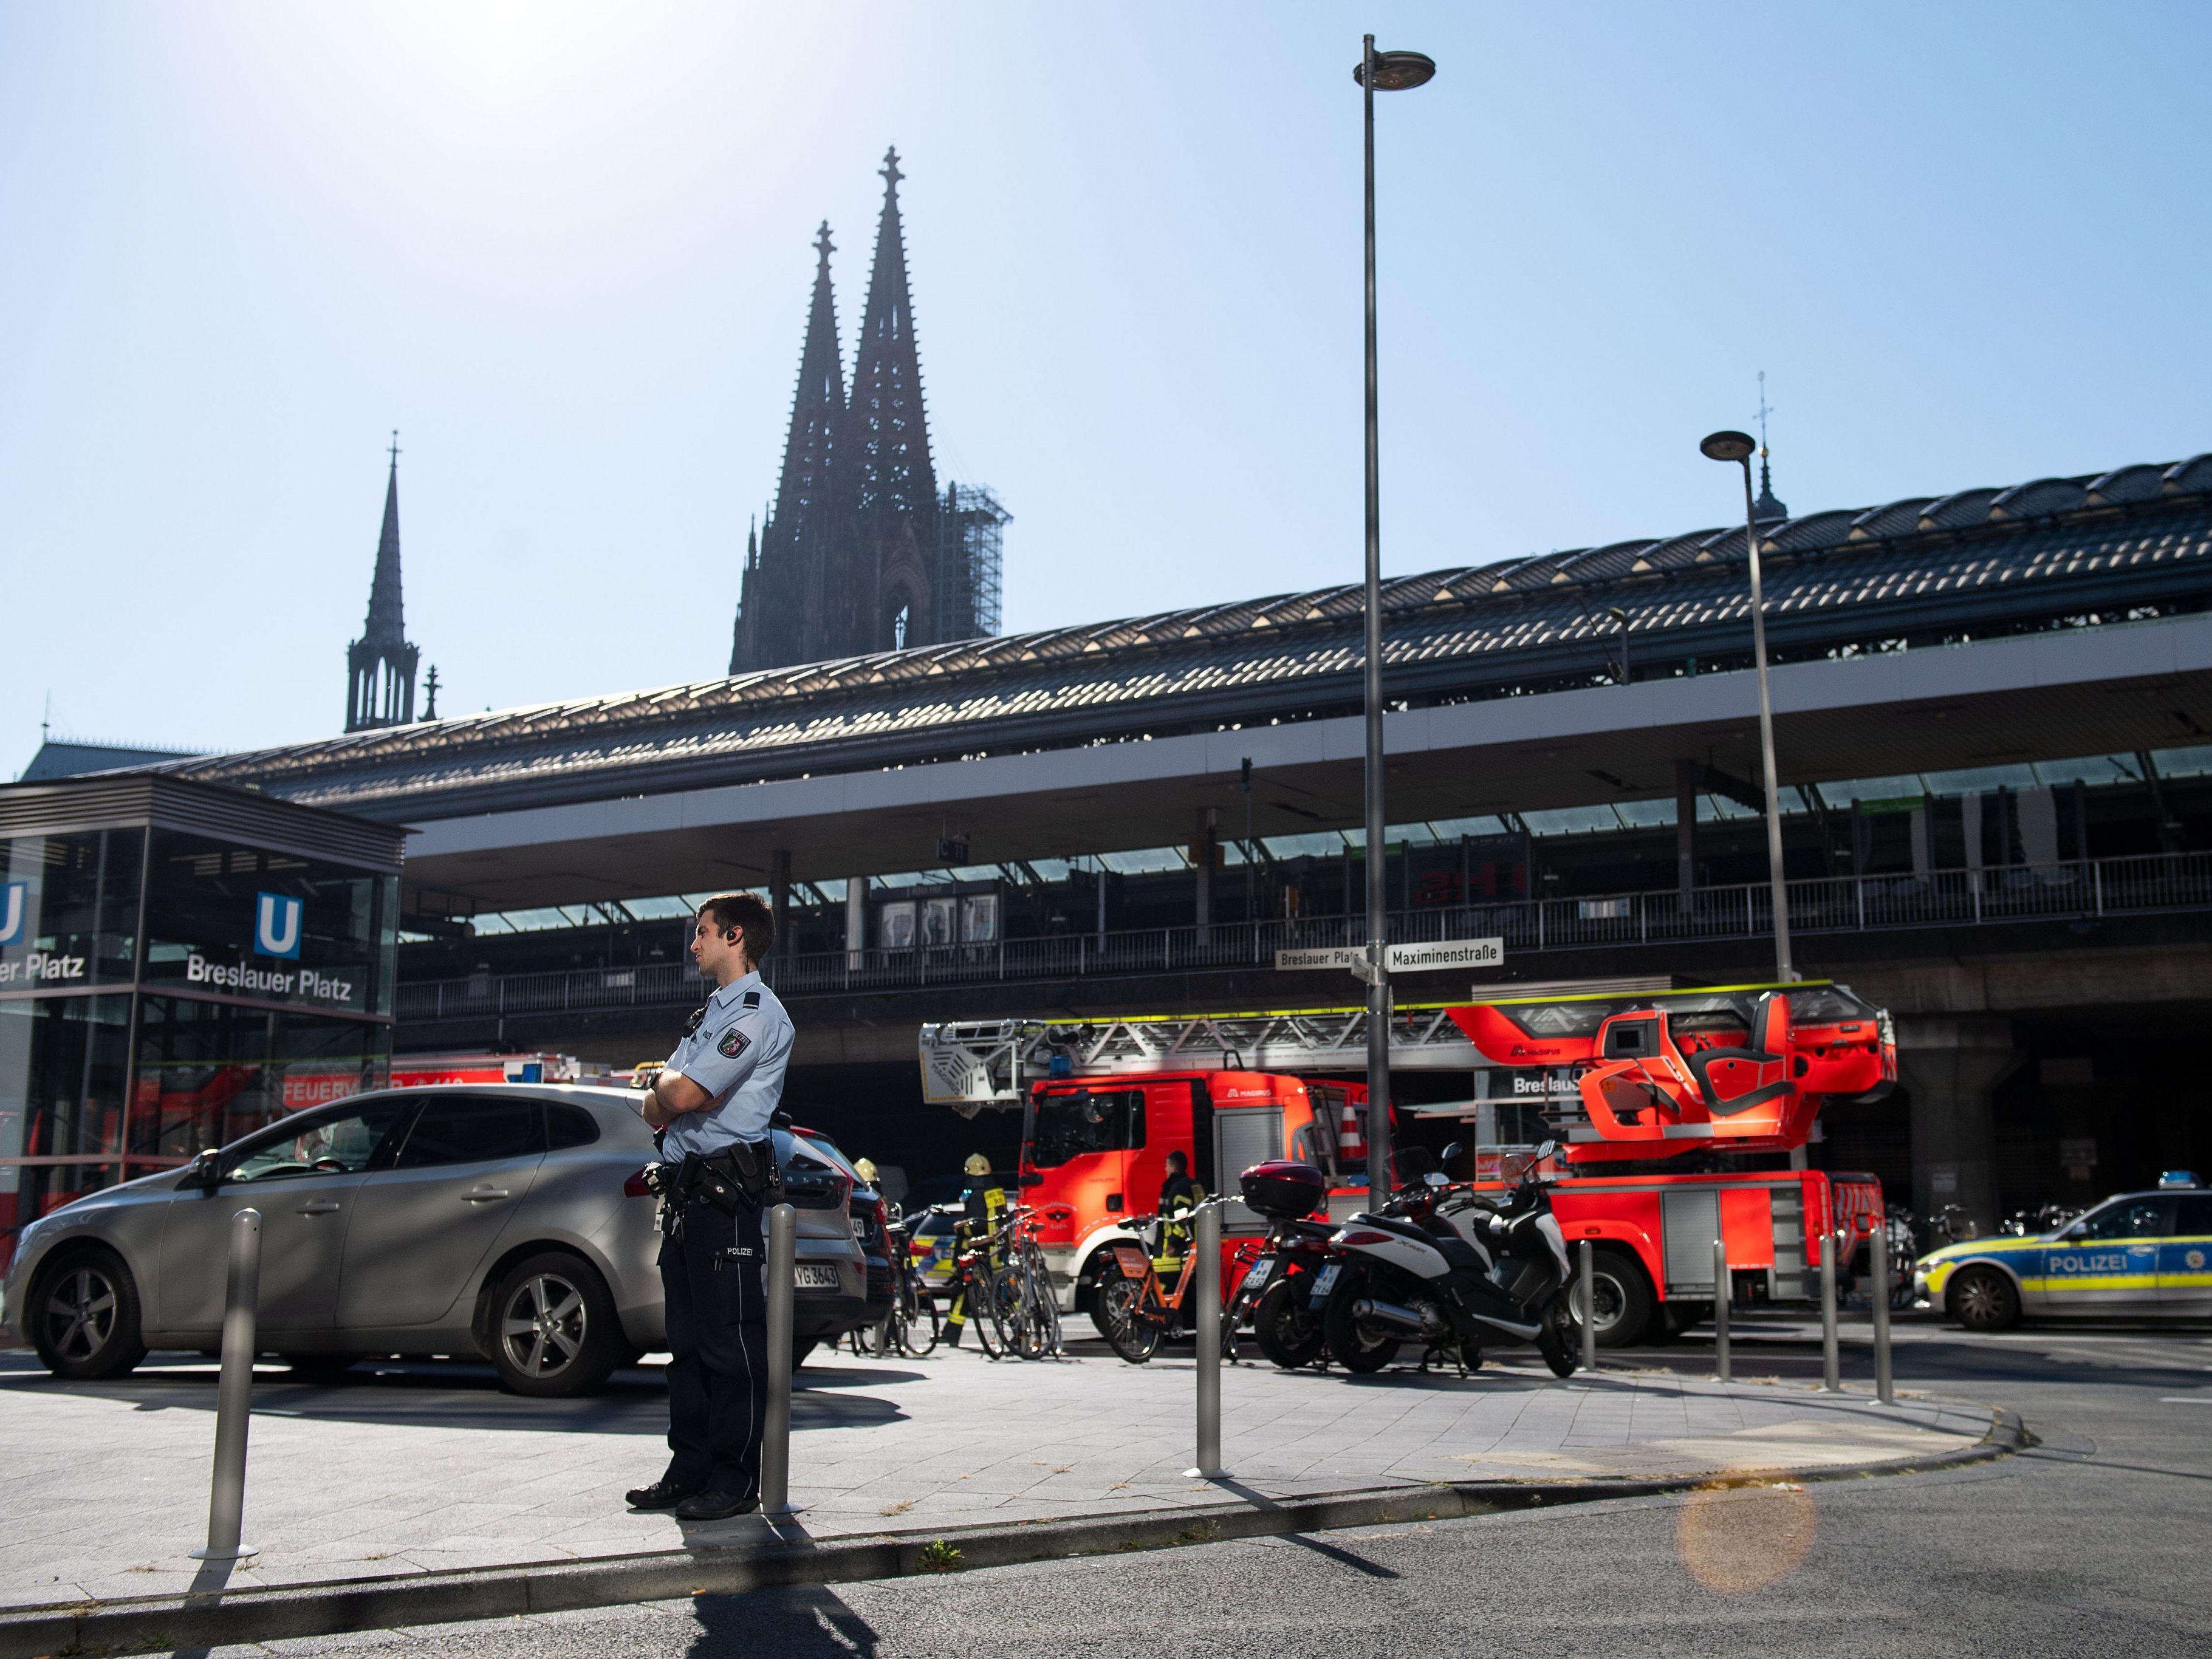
713	1101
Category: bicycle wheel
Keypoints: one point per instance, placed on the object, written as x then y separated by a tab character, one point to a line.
1133	1329
1044	1308
1010	1305
918	1326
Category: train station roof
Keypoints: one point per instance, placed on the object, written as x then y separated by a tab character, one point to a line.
2125	545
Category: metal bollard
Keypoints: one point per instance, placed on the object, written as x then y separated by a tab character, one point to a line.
1589	1306
1832	1374
1207	1243
1885	1383
234	1410
775	1440
1722	1292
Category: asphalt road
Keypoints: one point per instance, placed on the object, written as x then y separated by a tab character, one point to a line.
2096	1541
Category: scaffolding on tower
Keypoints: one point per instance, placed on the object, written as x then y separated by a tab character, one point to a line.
971	531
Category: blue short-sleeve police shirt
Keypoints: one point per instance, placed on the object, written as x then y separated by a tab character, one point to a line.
739	1055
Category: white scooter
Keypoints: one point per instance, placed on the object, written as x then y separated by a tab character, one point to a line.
1444	1266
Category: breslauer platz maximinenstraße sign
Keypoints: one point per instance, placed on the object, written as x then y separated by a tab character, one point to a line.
1455	953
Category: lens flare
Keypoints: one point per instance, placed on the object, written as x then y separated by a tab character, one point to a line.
1735	1539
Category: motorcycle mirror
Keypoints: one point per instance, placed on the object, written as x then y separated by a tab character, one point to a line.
1547	1152
1452	1151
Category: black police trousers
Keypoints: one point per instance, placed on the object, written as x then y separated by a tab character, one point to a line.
712	1278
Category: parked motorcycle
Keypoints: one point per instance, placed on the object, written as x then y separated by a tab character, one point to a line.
1448	1267
1278	1289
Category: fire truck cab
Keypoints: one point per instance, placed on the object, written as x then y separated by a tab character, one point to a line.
1095	1150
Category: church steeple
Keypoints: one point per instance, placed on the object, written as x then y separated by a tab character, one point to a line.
888	430
786	570
380	663
1769	508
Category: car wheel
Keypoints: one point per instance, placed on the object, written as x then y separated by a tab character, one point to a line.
1625	1303
553	1328
1982	1299
320	1368
84	1317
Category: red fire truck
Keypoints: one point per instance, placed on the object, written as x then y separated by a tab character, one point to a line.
1680	1114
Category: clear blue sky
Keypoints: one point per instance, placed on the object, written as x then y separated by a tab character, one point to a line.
565	251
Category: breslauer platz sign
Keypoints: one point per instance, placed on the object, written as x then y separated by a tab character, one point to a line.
1400	958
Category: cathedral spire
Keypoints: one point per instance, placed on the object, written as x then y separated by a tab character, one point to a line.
380	663
889	431
789	562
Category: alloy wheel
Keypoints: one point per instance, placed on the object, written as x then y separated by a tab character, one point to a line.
81	1313
543	1326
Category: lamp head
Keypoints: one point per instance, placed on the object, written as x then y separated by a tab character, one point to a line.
1397	71
1728	446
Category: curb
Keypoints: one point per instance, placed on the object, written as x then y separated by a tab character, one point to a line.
335	1607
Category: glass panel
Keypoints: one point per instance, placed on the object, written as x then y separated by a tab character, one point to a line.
62	1061
330	1142
237	921
1891	788
2182	762
68	909
1096	1121
569	1125
2133	1218
471	1129
1980	779
1571	820
209	1073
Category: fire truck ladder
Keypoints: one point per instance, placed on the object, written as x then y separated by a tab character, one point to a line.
970	1064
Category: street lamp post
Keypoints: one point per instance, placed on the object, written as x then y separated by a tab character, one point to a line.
1377	71
1738	447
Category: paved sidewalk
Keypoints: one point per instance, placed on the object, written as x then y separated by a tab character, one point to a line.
425	1468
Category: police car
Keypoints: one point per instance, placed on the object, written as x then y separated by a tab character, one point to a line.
2139	1255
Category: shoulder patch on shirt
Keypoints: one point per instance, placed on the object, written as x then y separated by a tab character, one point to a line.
733	1044
751	999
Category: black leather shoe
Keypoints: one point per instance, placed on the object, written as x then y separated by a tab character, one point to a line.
662	1494
717	1505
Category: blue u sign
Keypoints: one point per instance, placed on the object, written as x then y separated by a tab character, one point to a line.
14	901
276	924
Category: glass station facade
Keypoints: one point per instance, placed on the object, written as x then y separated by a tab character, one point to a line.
178	965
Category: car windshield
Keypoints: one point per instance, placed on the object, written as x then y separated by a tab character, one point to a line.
2126	1217
1068	1125
331	1142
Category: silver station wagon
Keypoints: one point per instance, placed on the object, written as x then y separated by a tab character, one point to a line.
508	1221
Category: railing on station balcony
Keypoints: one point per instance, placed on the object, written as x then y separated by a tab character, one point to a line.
2087	888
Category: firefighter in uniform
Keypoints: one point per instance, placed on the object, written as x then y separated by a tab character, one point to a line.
714	1102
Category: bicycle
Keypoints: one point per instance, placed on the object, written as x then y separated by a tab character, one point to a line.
974	1300
1138	1312
1021	1296
912	1326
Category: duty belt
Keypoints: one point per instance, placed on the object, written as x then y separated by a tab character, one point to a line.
744	1173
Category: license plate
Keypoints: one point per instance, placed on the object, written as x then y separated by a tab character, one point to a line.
809	1277
1325	1280
1257	1276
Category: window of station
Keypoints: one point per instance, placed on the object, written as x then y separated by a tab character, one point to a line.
61	1080
68	909
209	1072
268	926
